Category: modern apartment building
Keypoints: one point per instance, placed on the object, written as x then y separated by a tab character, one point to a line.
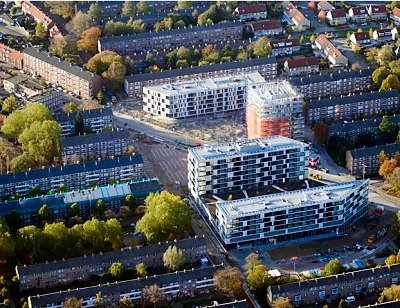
77	176
274	108
249	217
171	39
354	106
341	83
365	160
95	119
301	66
352	129
267	67
199	97
50	274
187	283
11	56
318	291
245	165
59	204
285	47
61	73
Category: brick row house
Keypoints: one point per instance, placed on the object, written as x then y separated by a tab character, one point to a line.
11	56
61	272
61	73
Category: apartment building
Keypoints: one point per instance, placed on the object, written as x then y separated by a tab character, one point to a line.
59	204
334	55
95	119
358	14
187	283
336	17
395	16
251	12
382	35
199	97
301	66
352	129
318	291
352	106
274	108
360	39
51	98
171	39
267	67
285	47
77	176
50	274
366	159
278	214
11	56
94	146
341	83
61	73
377	12
244	165
295	17
266	28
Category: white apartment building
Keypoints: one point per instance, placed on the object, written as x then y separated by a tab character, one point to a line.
199	97
318	212
246	165
274	108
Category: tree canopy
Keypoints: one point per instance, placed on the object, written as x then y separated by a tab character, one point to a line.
229	281
333	267
89	38
173	258
390	294
262	47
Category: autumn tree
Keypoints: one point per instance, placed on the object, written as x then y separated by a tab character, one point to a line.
389	294
141	269
321	15
10	104
116	270
391	83
72	302
262	47
89	38
125	303
173	258
382	157
384	55
153	295
387	168
229	281
321	133
40	30
79	23
282	302
65	9
142	7
129	8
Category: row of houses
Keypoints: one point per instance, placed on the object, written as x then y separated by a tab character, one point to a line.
63	272
334	55
59	203
295	17
378	36
359	14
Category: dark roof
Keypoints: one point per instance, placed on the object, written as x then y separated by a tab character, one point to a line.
152	35
266	25
347	99
124	286
199	69
284	43
93	138
376	9
60	200
338	13
302	62
57	62
86	114
124	254
331	77
251	9
384	33
359	125
359	10
45	93
71	169
361	36
389	149
339	279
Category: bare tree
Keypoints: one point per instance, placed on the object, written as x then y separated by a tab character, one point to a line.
153	295
72	302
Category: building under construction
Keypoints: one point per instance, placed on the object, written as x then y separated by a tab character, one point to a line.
274	108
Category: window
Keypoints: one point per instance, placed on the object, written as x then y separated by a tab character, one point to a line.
334	291
297	298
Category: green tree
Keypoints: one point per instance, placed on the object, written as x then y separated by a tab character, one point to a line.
95	12
7	243
387	130
70	107
184	5
44	214
141	270
17	121
391	83
72	302
10	104
372	54
262	47
13	221
142	7
63	8
113	234
40	30
14	10
312	38
391	260
34	191
166	217
384	55
125	303
29	241
100	207
321	133
79	23
42	140
129	8
89	39
130	202
99	300
115	75
79	124
22	162
116	270
184	53
282	302
229	281
173	258
333	267
74	210
389	294
258	278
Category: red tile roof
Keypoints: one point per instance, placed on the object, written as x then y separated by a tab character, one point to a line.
359	10
284	43
251	9
266	25
378	9
338	13
303	62
396	12
322	40
361	36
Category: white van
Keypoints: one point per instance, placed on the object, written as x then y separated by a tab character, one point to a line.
350	299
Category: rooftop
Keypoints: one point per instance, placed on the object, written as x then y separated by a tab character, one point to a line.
86	114
359	125
359	10
57	62
374	151
378	8
339	13
251	9
115	134
302	62
305	81
246	147
266	25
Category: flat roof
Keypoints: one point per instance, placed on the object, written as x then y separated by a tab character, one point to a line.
246	147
